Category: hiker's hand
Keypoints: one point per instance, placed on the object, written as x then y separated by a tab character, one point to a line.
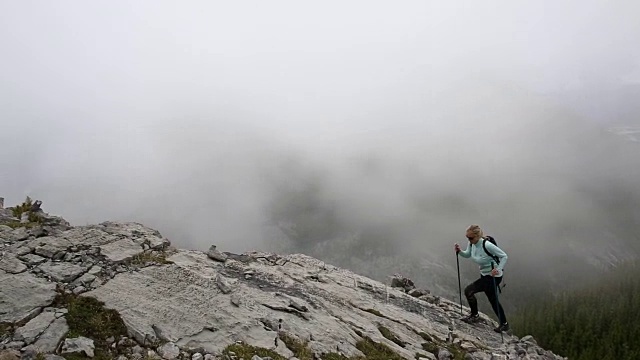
494	272
456	247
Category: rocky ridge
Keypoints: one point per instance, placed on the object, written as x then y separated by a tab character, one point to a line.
121	291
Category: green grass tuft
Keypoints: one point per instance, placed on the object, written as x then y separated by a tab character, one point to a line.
334	356
299	348
391	336
244	351
376	351
88	317
425	336
5	330
148	257
17	212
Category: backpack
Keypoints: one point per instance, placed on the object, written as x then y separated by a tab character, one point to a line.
493	241
495	258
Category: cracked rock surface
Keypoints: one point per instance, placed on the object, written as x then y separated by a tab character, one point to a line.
186	304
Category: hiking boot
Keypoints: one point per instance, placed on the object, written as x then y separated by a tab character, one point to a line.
471	318
501	328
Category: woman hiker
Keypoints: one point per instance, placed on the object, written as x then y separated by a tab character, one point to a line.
490	270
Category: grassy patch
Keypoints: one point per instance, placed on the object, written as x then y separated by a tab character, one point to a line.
433	347
425	336
17	212
334	356
22	208
88	317
376	351
149	257
390	335
299	348
5	330
245	351
17	224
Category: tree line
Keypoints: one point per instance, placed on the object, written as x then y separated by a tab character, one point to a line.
599	321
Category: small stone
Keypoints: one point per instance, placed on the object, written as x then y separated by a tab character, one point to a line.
169	351
137	349
216	255
197	356
209	357
15	345
23	250
32	259
79	290
444	354
78	345
95	270
256	357
222	284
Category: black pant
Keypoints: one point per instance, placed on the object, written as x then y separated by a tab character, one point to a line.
485	284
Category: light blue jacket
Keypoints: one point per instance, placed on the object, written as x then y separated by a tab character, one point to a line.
477	254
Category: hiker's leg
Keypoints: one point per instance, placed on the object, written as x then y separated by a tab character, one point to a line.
469	293
491	290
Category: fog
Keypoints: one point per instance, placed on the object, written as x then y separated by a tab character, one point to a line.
284	125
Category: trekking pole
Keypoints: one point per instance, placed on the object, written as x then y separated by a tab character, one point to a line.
459	286
495	288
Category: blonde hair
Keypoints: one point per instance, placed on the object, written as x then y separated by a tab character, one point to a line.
476	230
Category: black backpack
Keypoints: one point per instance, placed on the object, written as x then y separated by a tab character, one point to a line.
495	258
490	238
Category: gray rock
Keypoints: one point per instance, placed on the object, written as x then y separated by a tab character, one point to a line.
444	354
47	251
202	306
95	270
121	250
15	345
85	280
36	326
23	295
222	284
32	259
23	250
169	351
256	357
61	271
209	357
528	338
216	255
80	345
19	234
38	231
11	264
49	340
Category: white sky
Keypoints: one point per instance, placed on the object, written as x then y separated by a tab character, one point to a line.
116	109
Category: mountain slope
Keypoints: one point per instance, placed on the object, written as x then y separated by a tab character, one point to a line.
119	290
